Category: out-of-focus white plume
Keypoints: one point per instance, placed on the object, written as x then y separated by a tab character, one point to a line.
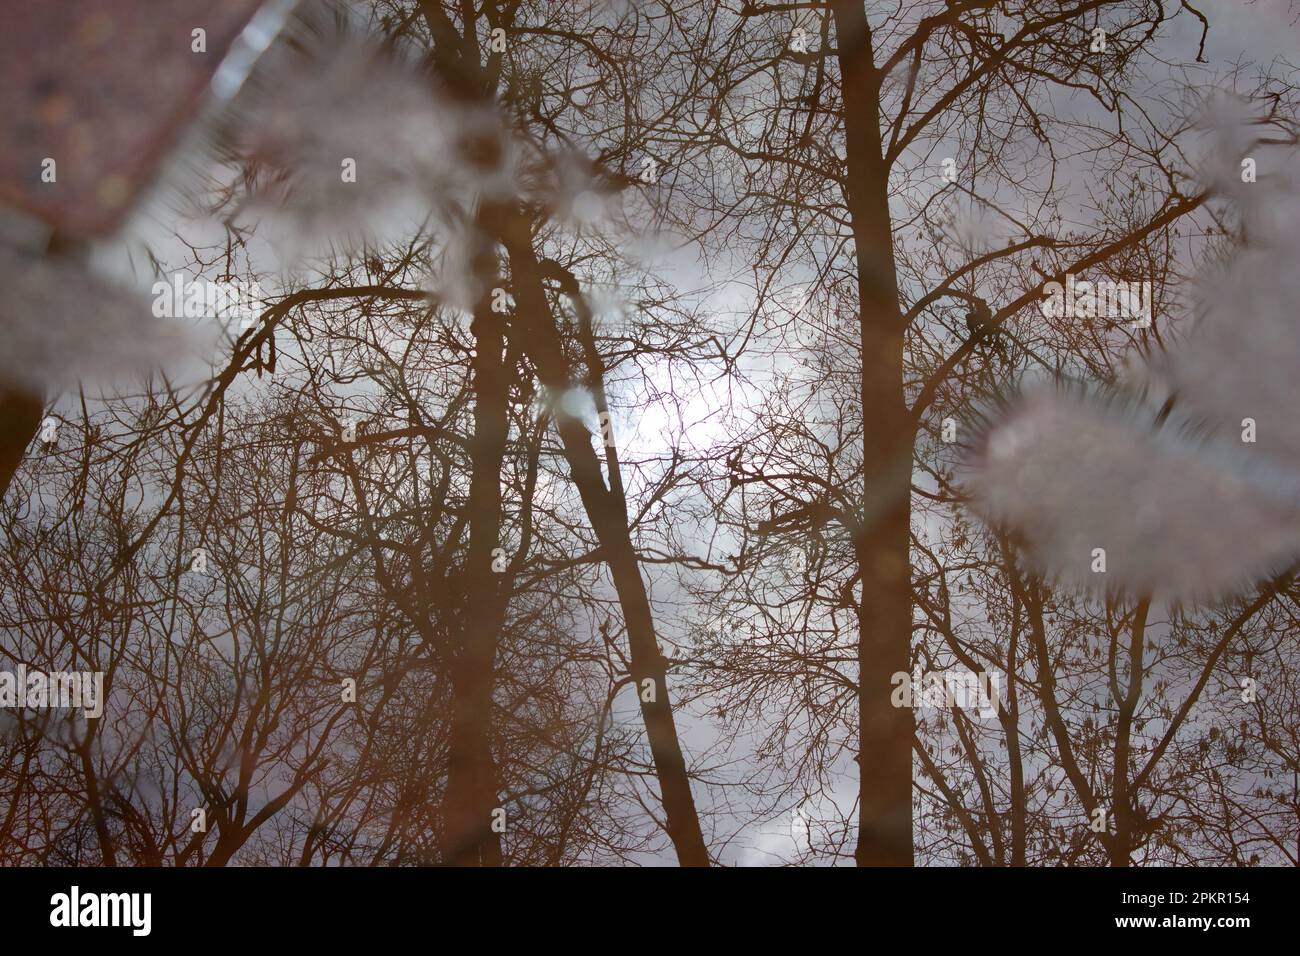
1184	508
349	140
1172	512
339	135
63	325
1240	358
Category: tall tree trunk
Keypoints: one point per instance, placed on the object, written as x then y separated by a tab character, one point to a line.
1009	715
1121	847
882	546
607	511
456	62
20	417
471	796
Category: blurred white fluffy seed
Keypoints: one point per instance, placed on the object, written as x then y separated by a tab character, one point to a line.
63	325
313	109
1180	516
1240	358
351	142
1068	475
